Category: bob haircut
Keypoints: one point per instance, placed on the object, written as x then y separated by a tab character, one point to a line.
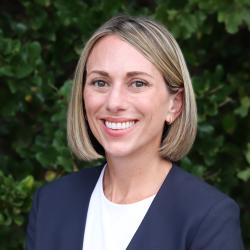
156	43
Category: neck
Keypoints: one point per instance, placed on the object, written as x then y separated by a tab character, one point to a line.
131	179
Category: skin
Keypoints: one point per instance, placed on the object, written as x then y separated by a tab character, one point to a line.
123	86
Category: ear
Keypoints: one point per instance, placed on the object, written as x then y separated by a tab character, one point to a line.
175	106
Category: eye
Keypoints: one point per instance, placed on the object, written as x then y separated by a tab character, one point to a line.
139	84
99	83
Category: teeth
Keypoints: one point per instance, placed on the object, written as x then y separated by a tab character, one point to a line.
119	125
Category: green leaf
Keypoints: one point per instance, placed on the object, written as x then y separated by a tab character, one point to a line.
50	175
229	123
206	128
247	153
47	157
33	51
232	19
19	220
244	174
243	109
65	90
6	71
1	219
27	183
20	28
23	70
45	3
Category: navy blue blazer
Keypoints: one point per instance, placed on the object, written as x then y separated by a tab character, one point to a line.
186	214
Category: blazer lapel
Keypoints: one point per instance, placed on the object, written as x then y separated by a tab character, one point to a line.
75	223
158	222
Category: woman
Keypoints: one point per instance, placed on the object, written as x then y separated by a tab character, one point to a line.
133	103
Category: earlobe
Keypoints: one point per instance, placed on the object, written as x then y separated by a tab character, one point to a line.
169	120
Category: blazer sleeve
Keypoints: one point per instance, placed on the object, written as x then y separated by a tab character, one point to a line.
31	229
220	228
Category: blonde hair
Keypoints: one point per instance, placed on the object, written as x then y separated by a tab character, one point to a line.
156	43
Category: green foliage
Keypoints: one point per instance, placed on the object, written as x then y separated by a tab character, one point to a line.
40	42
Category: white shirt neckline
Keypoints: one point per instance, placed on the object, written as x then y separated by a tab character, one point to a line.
111	203
111	226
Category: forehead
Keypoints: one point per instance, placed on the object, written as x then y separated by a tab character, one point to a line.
111	52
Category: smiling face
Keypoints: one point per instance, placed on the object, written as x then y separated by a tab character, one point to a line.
126	99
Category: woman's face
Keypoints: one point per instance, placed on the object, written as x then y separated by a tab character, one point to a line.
126	99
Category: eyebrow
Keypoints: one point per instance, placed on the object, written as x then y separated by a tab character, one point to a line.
129	74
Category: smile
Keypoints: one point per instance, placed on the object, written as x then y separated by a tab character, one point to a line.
119	125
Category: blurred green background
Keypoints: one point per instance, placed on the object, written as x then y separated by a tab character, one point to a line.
40	42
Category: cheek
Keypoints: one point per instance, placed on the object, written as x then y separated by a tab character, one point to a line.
156	104
91	102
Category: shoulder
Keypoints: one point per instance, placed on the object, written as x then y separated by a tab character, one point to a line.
198	203
194	189
200	209
71	184
192	199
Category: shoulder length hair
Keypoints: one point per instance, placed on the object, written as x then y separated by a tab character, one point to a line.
156	43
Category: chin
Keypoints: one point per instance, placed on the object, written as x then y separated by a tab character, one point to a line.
115	151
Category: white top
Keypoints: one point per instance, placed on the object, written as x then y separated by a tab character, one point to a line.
111	226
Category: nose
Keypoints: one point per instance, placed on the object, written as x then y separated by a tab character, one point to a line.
116	99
